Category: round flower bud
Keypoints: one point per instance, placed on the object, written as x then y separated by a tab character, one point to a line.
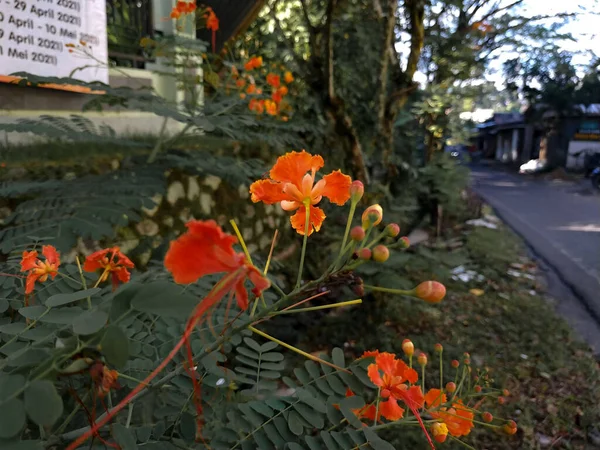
439	431
477	389
509	429
467	361
422	359
392	229
408	347
501	400
455	363
364	254
487	417
359	289
357	190
404	242
438	348
506	392
381	253
357	234
451	387
373	215
430	291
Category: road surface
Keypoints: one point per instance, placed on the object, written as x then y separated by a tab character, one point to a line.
560	221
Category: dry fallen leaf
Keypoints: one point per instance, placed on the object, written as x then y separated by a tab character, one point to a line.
477	292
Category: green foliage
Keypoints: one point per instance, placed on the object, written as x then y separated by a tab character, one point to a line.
443	182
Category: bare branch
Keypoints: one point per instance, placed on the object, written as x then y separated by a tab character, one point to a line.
312	31
504	8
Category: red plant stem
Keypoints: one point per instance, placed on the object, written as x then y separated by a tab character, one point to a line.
224	286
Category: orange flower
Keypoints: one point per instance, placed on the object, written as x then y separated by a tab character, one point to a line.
240	83
205	249
116	269
370	354
439	431
105	379
273	80
366	412
254	63
175	13
39	270
393	385
294	188
258	106
212	21
283	91
276	96
458	419
288	77
271	107
434	398
251	89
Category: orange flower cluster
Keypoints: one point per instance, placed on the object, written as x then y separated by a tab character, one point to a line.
37	269
182	7
449	414
205	249
273	105
292	185
116	265
104	378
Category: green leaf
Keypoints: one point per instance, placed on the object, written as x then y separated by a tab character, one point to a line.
254	345
295	423
64	299
13	328
309	414
115	346
12	418
125	437
90	322
338	357
311	401
121	302
21	445
3	305
187	427
164	299
9	384
32	312
42	403
294	446
376	442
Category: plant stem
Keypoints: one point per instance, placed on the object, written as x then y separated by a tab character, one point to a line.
441	373
423	377
377	407
390	290
348	226
159	142
83	283
364	241
129	415
316	308
306	232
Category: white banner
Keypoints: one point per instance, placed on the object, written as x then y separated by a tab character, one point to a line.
54	38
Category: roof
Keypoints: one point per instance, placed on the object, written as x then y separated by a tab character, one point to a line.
234	17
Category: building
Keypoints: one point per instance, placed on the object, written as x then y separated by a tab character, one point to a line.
121	26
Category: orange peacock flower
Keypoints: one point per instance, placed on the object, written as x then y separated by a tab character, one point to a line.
39	270
292	185
116	269
270	107
105	379
458	419
251	89
288	77
258	106
273	80
390	375
253	63
205	249
434	398
212	21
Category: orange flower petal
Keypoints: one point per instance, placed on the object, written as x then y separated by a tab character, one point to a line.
370	354
413	397
411	375
391	410
30	282
291	167
374	376
387	363
241	295
298	220
337	189
122	274
267	191
29	260
52	256
435	398
93	261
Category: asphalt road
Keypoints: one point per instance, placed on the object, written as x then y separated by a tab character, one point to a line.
560	221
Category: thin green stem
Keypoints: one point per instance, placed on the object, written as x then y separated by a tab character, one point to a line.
27	328
375	240
377	406
83	283
461	442
159	142
317	308
410	293
441	372
306	232
68	419
423	377
348	226
368	233
129	415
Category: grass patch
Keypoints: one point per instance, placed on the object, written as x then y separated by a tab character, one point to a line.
554	379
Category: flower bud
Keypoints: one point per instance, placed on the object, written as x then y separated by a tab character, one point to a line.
506	392
438	348
392	229
357	233
408	347
373	215
364	254
501	400
430	291
455	363
357	190
381	253
487	417
439	431
510	428
467	361
450	387
422	359
404	242
359	289
477	389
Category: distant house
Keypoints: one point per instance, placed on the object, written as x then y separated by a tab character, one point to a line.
561	140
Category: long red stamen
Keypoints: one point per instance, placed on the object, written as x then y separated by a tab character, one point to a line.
410	403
